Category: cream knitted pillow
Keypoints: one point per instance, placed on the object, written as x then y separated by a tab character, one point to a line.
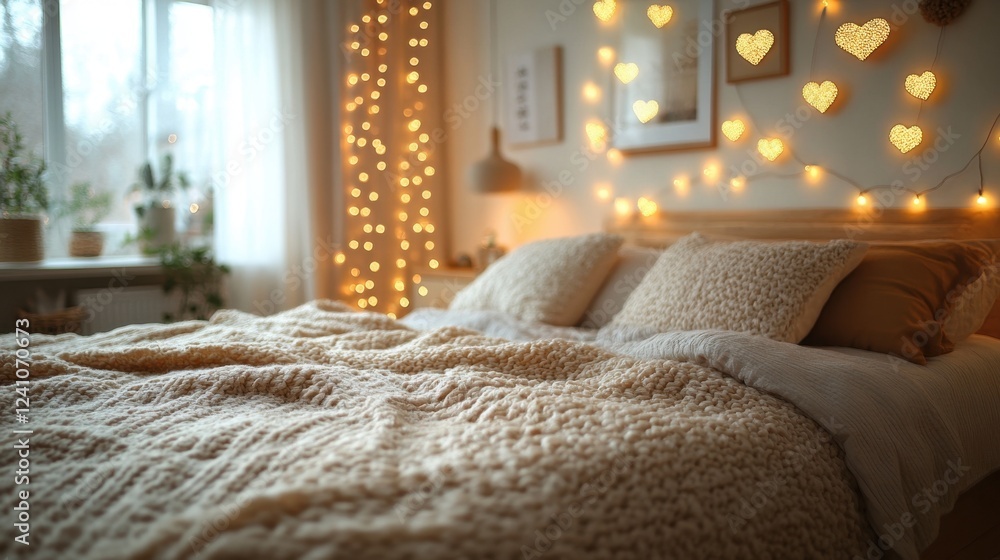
550	281
772	289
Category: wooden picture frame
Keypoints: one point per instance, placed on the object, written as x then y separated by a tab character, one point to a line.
678	73
772	17
533	97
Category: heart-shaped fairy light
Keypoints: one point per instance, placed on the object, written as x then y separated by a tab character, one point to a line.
733	129
754	47
645	110
626	71
770	148
906	138
921	86
862	40
659	15
605	9
820	96
597	134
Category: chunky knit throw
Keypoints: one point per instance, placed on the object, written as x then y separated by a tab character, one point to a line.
325	433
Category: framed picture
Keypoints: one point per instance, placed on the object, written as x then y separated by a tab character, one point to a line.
668	62
533	88
757	42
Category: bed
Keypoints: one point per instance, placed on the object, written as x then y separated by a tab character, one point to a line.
323	432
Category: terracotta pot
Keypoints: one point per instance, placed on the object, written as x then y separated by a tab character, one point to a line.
21	239
86	244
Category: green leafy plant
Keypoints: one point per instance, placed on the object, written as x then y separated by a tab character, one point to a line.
22	187
194	274
85	206
156	190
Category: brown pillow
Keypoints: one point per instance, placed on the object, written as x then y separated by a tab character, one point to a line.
992	325
895	299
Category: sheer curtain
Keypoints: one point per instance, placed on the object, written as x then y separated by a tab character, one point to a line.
272	188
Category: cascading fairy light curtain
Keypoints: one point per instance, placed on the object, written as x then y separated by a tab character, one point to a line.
394	210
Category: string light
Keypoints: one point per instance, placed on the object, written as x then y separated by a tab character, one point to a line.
646	206
606	55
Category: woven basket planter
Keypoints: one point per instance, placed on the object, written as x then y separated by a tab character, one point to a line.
86	244
21	239
66	321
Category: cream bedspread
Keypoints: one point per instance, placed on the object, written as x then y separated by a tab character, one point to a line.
323	433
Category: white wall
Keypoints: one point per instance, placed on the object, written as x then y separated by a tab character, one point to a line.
853	139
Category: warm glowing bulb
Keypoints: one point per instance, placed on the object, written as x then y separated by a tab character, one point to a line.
916	200
606	55
646	206
862	200
615	156
622	207
591	92
422	290
399	286
414	125
433	263
603	193
981	200
712	171
429	228
339	258
597	134
374	268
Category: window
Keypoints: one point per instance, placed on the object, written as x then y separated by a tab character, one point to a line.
105	86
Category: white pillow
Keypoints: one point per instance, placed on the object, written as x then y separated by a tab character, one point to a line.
633	264
549	281
772	289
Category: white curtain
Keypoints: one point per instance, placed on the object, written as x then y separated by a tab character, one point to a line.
262	184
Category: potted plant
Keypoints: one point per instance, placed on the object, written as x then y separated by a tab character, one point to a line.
156	211
86	207
193	272
23	197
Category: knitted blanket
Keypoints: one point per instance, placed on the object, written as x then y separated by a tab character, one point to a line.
326	433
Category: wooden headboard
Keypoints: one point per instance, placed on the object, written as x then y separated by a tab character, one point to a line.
813	225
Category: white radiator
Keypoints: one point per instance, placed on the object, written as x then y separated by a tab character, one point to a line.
108	308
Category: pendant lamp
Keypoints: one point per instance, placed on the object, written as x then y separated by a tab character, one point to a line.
494	174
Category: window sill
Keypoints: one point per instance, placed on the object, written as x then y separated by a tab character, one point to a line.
71	268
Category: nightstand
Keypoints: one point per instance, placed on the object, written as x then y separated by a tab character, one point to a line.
438	287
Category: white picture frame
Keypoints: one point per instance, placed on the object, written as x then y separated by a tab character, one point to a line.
679	75
533	93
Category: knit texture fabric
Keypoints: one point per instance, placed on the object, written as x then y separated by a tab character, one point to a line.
772	289
326	433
